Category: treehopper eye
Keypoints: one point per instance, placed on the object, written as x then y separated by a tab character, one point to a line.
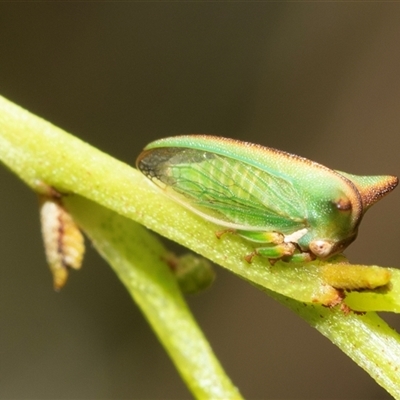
293	208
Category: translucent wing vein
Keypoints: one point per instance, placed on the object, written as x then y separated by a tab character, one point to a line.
227	190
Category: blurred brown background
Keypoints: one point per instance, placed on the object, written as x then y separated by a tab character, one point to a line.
319	80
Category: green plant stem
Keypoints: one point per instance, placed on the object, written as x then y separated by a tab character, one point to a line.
40	153
366	339
137	258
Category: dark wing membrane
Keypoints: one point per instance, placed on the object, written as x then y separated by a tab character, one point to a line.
226	189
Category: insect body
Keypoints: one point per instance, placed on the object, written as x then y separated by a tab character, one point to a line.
294	208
